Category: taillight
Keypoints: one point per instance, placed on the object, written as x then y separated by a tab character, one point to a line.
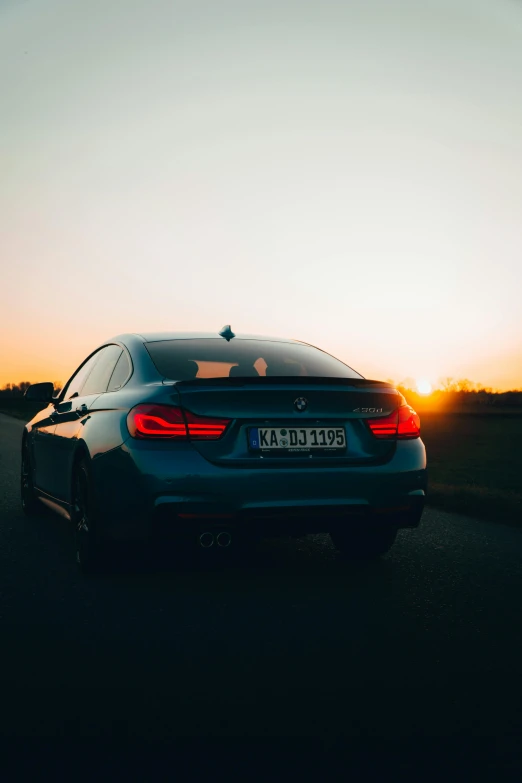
403	423
205	427
169	422
409	423
157	421
385	427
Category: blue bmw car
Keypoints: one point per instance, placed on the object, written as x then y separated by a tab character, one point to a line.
222	438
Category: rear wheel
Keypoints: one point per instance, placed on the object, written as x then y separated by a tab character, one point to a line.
365	543
30	503
90	547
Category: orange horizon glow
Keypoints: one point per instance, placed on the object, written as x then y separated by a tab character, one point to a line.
30	362
44	356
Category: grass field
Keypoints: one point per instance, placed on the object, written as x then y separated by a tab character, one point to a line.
19	408
474	460
475	463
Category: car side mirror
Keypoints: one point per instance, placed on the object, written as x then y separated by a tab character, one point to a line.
40	392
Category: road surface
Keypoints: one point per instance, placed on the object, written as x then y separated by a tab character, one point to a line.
425	643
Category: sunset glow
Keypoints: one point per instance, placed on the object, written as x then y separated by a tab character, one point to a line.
285	170
424	387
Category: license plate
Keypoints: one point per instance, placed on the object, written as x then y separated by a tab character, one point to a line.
296	439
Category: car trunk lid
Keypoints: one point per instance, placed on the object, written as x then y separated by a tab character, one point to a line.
281	409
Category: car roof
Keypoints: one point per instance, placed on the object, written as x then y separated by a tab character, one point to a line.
152	337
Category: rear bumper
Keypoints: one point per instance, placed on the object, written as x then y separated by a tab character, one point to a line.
146	490
171	520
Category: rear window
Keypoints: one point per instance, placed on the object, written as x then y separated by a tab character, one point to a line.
183	360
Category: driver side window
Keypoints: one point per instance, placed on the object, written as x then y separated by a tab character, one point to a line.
74	386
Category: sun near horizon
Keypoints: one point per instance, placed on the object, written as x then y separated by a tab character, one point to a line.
424	387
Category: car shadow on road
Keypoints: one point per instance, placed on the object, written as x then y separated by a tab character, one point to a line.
275	564
271	564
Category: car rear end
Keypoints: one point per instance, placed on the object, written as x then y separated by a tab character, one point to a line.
303	444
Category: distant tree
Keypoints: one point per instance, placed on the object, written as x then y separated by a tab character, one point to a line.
448	384
10	390
408	384
18	389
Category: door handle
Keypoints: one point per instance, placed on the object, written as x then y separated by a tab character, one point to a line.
82	409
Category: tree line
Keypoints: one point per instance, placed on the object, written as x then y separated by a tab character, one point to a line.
451	394
461	394
19	389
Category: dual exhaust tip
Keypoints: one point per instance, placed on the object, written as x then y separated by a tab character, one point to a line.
207	539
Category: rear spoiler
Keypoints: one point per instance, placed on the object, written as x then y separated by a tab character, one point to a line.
290	380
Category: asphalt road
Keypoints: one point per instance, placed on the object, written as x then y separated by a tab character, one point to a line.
293	642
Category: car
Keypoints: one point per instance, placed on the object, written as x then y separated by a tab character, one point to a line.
224	439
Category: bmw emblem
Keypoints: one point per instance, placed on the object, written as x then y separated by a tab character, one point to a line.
300	404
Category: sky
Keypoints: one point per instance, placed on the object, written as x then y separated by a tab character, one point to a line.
344	173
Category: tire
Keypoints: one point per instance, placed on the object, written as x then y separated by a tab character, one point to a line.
30	503
91	552
364	544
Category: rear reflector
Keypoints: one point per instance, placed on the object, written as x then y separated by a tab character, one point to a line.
163	422
403	424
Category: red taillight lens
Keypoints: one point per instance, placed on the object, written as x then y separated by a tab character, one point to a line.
409	423
169	422
385	427
403	423
205	427
157	421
